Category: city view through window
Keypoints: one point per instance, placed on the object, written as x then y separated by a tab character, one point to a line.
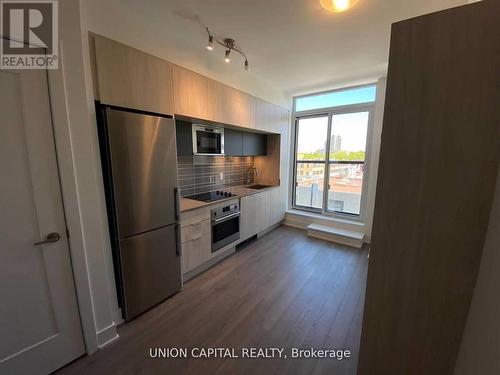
331	181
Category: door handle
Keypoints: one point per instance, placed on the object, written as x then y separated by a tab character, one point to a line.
51	237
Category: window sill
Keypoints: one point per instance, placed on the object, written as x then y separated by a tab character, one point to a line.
331	219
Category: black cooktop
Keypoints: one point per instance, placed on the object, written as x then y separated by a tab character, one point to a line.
211	196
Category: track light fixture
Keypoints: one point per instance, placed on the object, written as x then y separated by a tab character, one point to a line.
210	44
229	44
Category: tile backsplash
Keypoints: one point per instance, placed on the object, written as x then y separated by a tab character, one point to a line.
199	174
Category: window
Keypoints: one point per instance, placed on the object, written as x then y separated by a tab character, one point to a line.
357	95
332	182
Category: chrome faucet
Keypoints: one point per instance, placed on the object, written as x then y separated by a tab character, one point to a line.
255	174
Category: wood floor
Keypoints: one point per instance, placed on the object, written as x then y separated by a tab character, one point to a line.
282	290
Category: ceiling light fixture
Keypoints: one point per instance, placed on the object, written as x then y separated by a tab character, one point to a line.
210	44
229	44
337	6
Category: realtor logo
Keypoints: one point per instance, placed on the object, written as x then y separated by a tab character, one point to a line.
29	33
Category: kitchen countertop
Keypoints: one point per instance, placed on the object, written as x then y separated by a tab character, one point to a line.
240	191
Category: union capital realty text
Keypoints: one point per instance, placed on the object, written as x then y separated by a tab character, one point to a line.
251	352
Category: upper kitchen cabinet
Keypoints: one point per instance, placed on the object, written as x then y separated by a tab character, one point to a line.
238	107
200	97
267	115
184	137
233	142
191	94
127	77
254	144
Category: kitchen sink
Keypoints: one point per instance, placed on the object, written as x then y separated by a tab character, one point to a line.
258	187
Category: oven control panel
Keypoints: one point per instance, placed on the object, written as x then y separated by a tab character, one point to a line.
225	210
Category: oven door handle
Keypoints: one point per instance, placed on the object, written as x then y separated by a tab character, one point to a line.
221	219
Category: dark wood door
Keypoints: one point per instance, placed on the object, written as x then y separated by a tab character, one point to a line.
438	164
254	144
233	142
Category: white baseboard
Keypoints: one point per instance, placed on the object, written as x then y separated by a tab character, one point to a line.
107	336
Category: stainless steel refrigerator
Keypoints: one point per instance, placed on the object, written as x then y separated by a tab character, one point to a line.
139	162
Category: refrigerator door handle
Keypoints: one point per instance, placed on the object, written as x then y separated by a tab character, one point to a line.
177	203
178	248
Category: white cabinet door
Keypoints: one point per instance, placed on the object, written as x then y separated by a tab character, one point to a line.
277	205
196	241
264	210
249	219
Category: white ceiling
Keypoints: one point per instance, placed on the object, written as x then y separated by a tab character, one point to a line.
294	46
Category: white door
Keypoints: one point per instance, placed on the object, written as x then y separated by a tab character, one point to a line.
39	321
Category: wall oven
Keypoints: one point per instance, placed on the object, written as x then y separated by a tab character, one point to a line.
225	225
208	140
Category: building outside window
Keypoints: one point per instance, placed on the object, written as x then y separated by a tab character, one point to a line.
331	150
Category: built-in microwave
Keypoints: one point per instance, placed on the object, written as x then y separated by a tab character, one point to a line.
208	140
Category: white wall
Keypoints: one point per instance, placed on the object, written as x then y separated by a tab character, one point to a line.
480	348
174	37
375	155
78	157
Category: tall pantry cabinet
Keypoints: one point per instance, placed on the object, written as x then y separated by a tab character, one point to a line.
438	163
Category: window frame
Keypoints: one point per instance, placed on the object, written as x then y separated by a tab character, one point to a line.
330	112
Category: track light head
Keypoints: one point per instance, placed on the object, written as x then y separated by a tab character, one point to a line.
210	44
226	56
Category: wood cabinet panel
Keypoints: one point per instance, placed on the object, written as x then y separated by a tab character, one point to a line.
438	163
239	108
130	78
263	113
190	94
230	106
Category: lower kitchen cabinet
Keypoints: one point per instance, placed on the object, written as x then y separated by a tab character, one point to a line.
249	221
264	210
261	211
196	238
278	204
196	252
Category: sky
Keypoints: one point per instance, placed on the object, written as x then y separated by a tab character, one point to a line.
365	94
352	127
